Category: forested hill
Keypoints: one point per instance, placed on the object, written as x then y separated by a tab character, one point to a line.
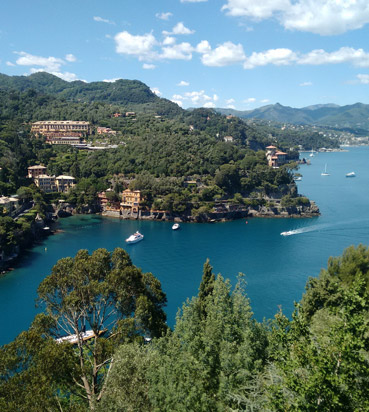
355	116
131	94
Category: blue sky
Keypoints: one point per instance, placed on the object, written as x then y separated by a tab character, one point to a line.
214	53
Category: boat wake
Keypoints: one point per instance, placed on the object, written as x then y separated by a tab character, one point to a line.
307	229
331	226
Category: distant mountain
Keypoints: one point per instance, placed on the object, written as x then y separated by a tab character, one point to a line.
354	117
132	94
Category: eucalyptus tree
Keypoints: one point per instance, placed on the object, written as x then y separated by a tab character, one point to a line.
102	292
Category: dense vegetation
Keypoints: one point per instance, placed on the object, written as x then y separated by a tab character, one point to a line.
216	358
156	150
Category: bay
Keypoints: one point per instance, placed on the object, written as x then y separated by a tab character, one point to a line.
276	267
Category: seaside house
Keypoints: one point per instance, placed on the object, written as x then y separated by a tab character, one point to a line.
131	200
275	157
54	184
228	138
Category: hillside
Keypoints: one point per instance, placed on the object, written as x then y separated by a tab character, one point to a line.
132	94
354	117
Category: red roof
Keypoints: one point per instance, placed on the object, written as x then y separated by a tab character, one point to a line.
280	153
271	147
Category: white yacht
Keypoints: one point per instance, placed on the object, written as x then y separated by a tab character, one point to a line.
136	237
351	174
175	226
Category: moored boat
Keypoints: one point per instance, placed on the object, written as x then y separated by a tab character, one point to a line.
136	237
351	174
175	226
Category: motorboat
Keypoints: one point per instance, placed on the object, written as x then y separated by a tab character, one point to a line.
175	226
289	233
136	237
351	174
297	178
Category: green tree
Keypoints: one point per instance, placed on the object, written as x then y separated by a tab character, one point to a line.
103	292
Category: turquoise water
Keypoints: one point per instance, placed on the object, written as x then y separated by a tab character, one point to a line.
276	267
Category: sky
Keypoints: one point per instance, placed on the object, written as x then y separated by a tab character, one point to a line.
240	54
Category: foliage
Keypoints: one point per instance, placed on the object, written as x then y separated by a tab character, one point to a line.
103	292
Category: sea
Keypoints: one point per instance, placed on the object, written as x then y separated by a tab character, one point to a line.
276	267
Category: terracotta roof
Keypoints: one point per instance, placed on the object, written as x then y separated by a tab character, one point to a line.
280	153
271	147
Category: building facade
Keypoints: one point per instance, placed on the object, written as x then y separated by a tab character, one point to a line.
131	200
35	171
60	127
275	157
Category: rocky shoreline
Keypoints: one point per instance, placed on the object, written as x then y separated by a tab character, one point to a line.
231	212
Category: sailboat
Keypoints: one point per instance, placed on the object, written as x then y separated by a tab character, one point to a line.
325	171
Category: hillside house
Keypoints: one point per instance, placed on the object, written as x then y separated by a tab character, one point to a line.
275	157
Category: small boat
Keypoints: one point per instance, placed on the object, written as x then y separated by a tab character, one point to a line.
175	226
289	233
325	173
297	178
136	237
351	174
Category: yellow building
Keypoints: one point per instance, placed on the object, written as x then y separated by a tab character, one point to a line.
45	183
64	183
131	200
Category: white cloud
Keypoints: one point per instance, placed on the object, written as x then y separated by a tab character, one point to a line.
69	77
325	17
179	29
215	97
231	106
177	97
46	63
200	98
182	51
203	47
224	55
164	16
363	78
305	84
255	8
101	20
156	91
70	58
264	101
111	80
358	57
277	57
140	46
250	100
183	83
230	101
168	41
50	64
148	66
192	1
